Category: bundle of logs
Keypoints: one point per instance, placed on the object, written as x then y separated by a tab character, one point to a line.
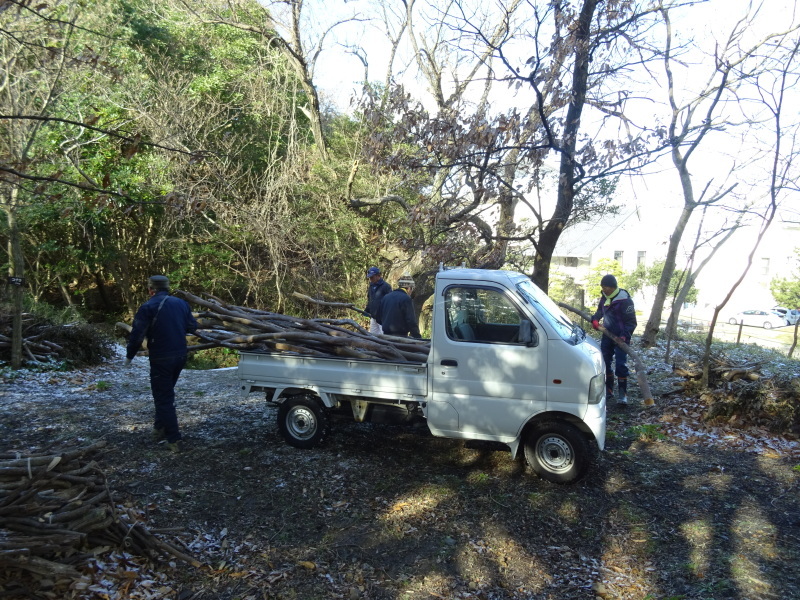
56	512
240	328
35	347
721	369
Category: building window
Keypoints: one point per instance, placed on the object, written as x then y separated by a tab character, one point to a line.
765	266
618	256
570	261
640	257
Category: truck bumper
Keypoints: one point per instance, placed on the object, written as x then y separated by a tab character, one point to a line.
595	420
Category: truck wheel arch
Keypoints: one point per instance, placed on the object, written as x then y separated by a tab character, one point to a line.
545	417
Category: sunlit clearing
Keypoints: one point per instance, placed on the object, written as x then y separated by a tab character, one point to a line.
419	504
754	543
698	535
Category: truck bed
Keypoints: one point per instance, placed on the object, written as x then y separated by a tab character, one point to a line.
379	379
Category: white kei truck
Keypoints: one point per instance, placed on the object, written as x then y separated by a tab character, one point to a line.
505	365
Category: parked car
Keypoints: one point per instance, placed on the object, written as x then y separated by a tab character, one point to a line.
758	318
790	315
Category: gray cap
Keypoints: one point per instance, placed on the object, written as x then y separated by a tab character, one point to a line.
406	281
158	282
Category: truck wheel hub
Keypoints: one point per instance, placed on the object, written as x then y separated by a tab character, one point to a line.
301	423
556	453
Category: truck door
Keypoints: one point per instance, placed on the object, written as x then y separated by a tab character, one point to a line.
486	381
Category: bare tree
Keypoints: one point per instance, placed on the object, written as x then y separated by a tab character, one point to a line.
771	88
691	125
483	162
713	243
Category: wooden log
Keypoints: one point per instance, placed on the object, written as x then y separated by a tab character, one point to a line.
641	373
348	305
42	566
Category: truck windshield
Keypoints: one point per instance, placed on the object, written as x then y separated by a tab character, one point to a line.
548	310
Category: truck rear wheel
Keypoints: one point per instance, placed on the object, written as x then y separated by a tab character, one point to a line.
303	422
557	452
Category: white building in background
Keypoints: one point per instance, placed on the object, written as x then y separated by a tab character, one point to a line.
640	236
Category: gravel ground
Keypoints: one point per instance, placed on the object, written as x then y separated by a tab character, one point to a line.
673	509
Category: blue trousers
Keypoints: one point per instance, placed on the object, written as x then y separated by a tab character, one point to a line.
164	373
614	354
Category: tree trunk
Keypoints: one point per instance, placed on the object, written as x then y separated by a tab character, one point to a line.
654	321
16	273
101	289
567	179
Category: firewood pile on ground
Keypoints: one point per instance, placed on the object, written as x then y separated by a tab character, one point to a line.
57	514
241	328
740	392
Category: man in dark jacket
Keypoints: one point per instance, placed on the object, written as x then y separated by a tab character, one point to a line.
164	320
396	314
616	312
378	288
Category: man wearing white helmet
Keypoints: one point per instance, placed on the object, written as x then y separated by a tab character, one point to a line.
396	314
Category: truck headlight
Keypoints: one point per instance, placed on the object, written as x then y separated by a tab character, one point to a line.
597	389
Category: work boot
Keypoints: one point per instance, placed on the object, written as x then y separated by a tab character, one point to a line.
623	391
158	433
176	447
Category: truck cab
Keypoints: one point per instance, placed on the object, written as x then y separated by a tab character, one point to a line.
506	362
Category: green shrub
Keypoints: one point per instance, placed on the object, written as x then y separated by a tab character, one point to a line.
212	358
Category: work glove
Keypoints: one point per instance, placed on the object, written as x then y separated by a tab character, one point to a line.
596	324
127	362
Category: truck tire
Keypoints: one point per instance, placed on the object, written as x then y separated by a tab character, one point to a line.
303	422
557	452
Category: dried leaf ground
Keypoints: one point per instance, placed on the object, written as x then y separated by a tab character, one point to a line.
672	509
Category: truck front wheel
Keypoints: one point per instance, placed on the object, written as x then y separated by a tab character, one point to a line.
303	422
557	452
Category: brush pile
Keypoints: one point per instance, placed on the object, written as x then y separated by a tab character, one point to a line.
79	344
740	393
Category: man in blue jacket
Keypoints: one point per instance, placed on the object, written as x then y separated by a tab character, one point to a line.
618	315
378	288
164	320
396	314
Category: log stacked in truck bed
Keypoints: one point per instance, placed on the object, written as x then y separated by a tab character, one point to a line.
252	330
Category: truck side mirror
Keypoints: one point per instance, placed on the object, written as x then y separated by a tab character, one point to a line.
527	333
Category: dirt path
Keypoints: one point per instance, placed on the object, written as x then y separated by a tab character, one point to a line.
669	510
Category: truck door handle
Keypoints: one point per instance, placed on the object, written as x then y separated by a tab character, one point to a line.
449	362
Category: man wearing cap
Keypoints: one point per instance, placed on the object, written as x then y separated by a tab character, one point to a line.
396	314
164	320
378	288
616	312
